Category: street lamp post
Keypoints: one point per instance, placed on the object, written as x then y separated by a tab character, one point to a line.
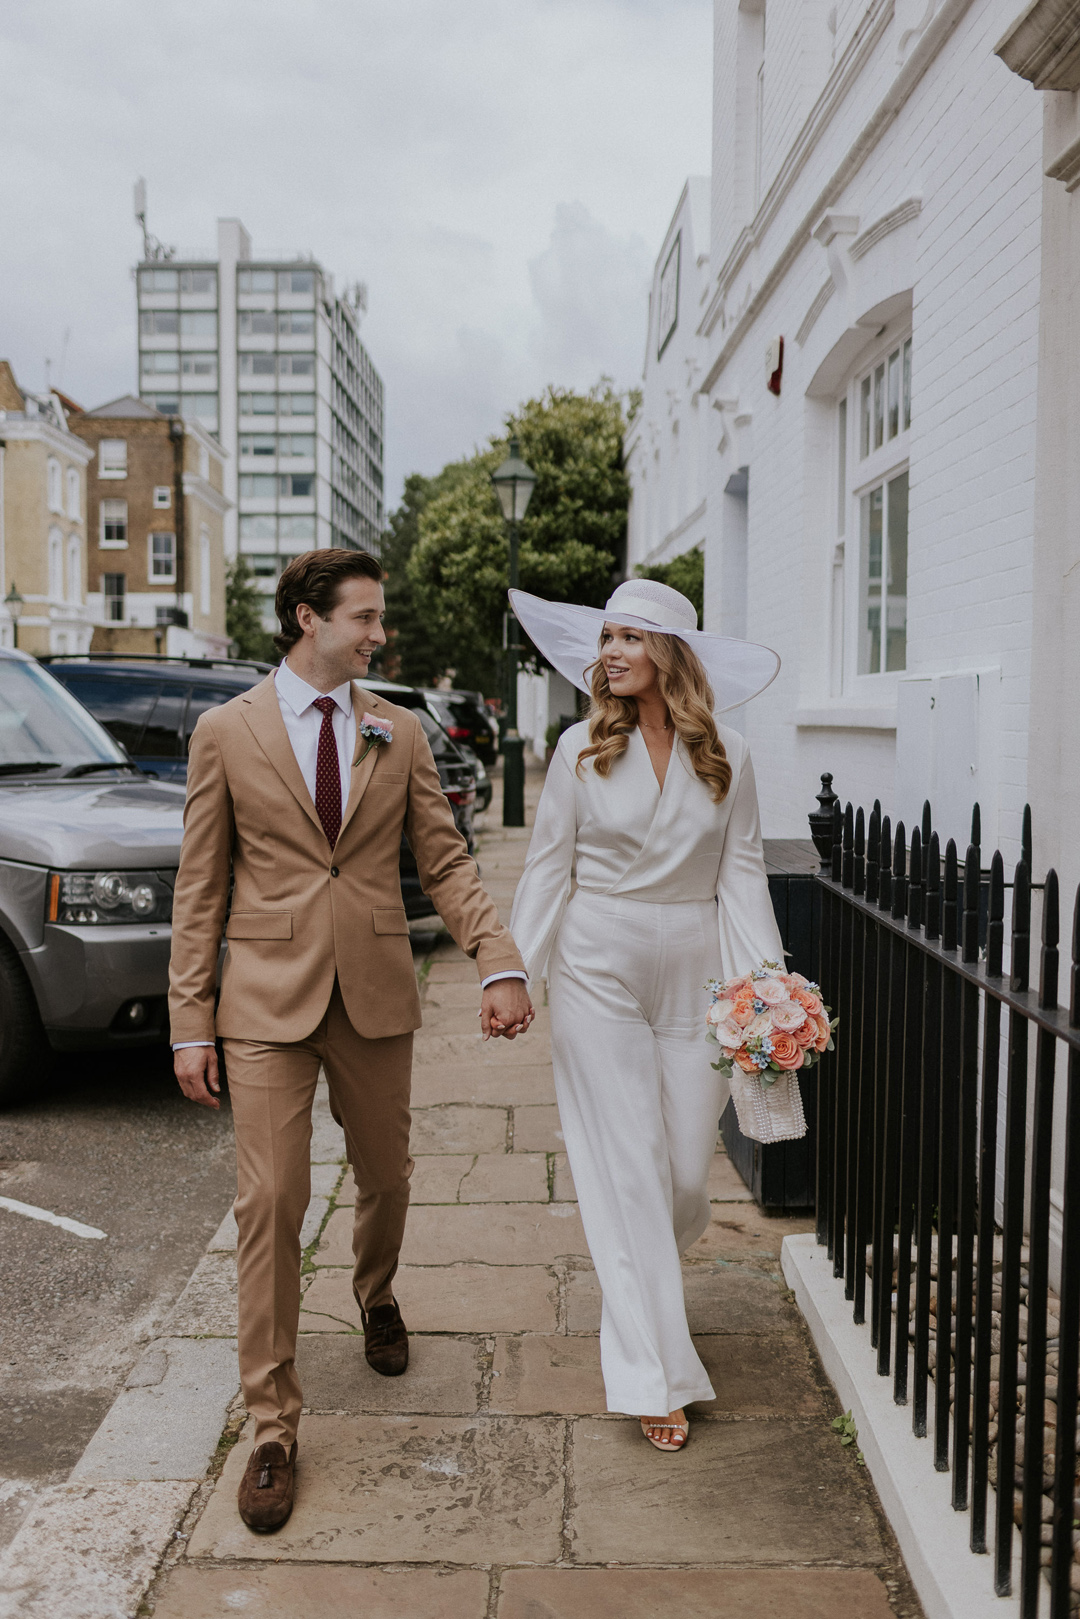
514	482
13	602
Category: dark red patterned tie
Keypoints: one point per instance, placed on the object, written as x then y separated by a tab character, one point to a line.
328	773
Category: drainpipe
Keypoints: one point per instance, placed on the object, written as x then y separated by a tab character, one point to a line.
176	428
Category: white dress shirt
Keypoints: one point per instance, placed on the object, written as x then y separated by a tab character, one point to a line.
303	723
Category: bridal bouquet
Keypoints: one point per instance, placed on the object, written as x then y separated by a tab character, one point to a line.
768	1024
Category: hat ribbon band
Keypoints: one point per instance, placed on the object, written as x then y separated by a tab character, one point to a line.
638	607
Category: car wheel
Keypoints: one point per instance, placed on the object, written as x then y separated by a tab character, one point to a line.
25	1054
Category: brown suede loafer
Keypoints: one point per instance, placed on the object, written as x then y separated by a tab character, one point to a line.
386	1340
265	1496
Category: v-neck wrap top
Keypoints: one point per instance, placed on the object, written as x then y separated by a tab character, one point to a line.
621	835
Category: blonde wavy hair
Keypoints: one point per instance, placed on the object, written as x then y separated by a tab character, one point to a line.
685	688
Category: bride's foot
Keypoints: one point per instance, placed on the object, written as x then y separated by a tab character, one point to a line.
667	1433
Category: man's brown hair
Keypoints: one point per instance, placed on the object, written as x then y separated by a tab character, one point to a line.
316	578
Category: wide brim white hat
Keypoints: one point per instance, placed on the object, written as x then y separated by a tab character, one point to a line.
568	636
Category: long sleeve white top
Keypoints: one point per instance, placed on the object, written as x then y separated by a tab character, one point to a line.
623	836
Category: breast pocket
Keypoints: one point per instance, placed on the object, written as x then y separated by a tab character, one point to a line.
259	925
389	778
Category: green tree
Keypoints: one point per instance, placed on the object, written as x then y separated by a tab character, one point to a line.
685	573
243	614
572	541
410	655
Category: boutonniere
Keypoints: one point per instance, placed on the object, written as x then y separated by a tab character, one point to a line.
377	732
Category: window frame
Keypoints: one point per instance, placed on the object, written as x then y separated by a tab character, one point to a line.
153	577
54	486
112	597
117	471
858	476
106	520
74	495
162	497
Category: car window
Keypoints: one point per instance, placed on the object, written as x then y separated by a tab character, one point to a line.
162	737
40	721
441	745
122	706
204	697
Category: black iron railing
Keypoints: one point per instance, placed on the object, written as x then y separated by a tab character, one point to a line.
944	1250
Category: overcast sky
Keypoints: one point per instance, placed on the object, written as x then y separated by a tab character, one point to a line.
499	172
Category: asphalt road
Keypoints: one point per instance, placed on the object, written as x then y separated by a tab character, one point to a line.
112	1144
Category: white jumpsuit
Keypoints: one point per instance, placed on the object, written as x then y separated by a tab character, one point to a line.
671	891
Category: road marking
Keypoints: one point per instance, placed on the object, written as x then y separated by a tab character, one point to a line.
74	1226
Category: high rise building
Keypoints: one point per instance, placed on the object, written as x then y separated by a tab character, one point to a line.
265	355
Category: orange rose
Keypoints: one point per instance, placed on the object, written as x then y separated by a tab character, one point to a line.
824	1033
747	1064
808	1001
786	1051
743	1010
806	1034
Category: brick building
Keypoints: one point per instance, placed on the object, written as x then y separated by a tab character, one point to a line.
42	530
155	515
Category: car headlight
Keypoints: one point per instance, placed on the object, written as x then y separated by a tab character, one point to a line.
85	898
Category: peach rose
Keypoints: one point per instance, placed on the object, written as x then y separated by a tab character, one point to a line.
798	980
807	1033
743	1010
747	1064
770	990
824	1033
809	1001
729	1035
761	1025
786	1051
734	987
787	1017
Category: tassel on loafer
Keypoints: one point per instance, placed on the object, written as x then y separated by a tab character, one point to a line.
265	1496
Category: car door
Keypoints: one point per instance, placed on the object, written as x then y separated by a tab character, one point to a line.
162	748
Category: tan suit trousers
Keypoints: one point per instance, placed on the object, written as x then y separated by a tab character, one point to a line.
272	1088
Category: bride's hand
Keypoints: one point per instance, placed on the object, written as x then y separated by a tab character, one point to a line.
505	1009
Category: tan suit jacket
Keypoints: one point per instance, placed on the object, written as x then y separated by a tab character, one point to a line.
301	913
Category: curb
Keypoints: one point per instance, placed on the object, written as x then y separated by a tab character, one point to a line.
951	1581
90	1548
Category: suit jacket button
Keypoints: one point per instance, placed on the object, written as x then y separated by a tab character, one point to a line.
334	871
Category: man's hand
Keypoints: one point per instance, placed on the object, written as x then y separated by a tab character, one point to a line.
506	1009
196	1067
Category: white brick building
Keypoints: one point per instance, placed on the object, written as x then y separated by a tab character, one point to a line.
877	203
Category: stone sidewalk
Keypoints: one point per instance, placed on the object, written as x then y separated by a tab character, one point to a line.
489	1483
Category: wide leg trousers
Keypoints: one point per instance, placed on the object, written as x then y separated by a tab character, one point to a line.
639	1104
272	1088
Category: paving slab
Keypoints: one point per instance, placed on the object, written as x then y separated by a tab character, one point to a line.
743	1491
699	1593
445	969
287	1591
207	1306
456	1129
719	1298
443	1298
460	994
481	1086
564	1181
444	1375
88	1551
726	1185
407	1490
432	1046
515	1177
745	1231
538	1129
166	1423
435	1179
493	1234
536	1374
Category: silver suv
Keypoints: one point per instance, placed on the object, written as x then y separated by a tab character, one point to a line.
88	854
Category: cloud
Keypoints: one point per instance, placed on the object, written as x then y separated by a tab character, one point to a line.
496	171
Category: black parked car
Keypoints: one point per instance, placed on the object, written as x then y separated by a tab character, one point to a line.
151	705
464	717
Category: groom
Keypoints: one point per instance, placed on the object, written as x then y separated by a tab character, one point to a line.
298	792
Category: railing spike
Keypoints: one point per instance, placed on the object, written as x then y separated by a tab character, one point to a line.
976	825
899	894
837	840
933	888
885	867
873	855
860	851
1025	841
1074	987
1048	956
847	874
972	882
915	880
927	823
995	927
1020	973
949	900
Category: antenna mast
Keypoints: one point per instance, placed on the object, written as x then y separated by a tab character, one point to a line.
152	248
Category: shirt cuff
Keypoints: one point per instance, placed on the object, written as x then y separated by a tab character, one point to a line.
184	1045
493	978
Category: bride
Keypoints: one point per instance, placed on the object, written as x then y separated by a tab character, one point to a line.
652	805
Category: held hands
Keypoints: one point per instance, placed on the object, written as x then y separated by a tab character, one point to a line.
505	1009
196	1068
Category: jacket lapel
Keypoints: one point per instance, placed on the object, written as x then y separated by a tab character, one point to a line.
365	752
262	712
